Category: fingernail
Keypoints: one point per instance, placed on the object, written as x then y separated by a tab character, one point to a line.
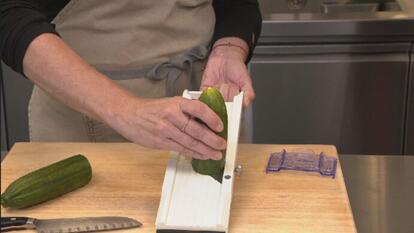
201	157
220	127
217	156
223	144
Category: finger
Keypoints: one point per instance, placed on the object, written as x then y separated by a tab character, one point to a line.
169	144
249	95
208	80
193	144
177	117
233	91
229	90
203	112
184	151
159	140
247	88
224	90
200	132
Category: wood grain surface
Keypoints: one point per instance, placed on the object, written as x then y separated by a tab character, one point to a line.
127	181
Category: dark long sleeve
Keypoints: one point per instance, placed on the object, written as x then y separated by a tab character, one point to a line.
21	21
238	18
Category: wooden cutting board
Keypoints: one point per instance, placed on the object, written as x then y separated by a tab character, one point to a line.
127	181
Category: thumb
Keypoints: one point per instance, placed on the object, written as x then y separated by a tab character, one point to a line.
249	94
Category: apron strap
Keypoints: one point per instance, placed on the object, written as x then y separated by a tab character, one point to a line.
170	70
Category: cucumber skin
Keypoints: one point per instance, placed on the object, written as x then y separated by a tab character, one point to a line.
48	182
213	99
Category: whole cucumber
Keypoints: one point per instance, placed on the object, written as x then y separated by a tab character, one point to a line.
213	99
48	182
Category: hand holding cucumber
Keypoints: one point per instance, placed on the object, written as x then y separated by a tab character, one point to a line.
160	122
177	124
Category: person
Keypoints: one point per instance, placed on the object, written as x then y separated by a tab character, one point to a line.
113	70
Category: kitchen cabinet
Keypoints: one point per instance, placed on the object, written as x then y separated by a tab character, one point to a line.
17	90
349	95
381	191
3	135
409	139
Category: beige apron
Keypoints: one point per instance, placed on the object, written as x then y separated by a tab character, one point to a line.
152	48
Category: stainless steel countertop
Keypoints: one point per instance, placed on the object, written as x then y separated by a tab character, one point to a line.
407	13
303	27
381	192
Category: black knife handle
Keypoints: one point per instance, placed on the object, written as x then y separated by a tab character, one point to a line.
7	223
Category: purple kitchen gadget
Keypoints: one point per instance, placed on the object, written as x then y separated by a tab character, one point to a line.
302	161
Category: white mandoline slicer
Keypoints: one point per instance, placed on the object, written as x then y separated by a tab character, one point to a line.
191	202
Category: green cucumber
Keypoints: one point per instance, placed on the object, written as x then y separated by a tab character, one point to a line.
47	183
213	99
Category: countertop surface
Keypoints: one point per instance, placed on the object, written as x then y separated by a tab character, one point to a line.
127	181
380	189
381	192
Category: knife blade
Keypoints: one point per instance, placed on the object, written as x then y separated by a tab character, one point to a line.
69	225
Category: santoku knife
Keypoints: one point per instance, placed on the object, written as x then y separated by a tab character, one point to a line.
68	225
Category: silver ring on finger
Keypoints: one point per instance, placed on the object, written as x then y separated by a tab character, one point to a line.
185	126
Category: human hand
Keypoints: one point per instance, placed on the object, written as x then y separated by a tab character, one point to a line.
170	124
227	71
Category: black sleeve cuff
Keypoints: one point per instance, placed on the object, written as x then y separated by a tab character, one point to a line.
25	40
238	18
18	28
